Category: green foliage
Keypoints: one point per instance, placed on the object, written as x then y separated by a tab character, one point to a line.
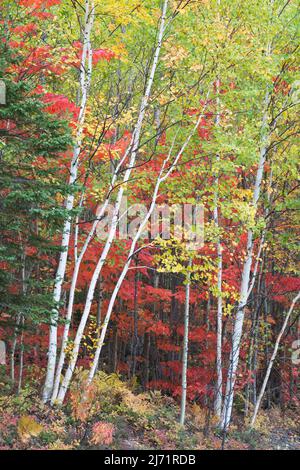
30	188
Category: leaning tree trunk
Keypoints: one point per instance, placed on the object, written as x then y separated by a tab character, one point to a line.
268	372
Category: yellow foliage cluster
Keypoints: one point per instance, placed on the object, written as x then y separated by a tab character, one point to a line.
262	423
200	416
106	391
90	339
174	257
28	427
139	404
124	11
174	54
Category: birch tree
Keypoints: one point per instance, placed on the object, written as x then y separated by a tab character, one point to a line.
185	349
85	81
219	382
239	320
246	272
132	154
267	135
75	274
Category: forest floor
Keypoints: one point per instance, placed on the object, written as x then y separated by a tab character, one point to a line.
115	416
283	439
280	435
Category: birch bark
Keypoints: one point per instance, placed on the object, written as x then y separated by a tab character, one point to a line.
185	351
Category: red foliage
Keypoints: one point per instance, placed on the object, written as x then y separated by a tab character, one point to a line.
36	4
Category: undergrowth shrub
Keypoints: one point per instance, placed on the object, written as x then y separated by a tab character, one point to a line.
102	433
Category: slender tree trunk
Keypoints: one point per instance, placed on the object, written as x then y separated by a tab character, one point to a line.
251	362
13	348
19	323
185	345
135	323
115	350
21	361
219	382
263	387
99	305
207	313
147	345
244	290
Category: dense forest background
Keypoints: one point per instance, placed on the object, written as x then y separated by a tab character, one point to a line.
138	341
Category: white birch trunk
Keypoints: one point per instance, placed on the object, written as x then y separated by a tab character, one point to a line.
19	320
21	361
219	382
185	350
273	357
238	325
85	79
13	348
